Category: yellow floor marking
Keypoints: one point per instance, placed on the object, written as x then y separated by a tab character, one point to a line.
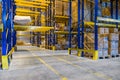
90	71
50	67
60	59
68	62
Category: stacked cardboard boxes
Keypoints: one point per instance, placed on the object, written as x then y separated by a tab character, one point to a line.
63	43
61	8
102	42
114	42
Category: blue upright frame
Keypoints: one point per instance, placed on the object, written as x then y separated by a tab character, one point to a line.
8	32
117	12
70	25
95	55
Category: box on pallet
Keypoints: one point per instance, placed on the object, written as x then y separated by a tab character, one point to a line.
113	36
113	30
105	52
106	30
102	41
58	8
114	43
100	52
63	43
103	47
105	44
101	30
114	52
61	8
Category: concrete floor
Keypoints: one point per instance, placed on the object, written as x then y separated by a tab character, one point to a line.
31	63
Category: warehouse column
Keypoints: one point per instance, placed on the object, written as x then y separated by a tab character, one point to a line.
95	55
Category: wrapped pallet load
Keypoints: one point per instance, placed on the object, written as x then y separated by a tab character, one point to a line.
23	38
22	20
114	42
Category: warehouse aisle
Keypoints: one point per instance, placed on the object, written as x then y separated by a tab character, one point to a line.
32	63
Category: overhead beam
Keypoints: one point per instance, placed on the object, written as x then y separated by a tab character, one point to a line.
26	11
32	3
24	14
28	5
108	20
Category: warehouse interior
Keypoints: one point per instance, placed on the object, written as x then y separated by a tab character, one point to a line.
59	39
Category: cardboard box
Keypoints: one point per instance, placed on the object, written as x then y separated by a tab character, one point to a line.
61	8
113	37
105	52
113	30
100	52
114	52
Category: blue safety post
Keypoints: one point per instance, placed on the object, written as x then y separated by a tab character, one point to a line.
79	29
69	26
95	55
117	12
4	33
